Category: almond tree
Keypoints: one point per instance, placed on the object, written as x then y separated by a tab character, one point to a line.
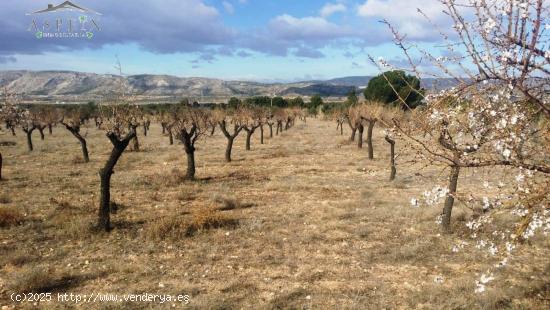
50	117
356	124
498	113
29	122
280	116
8	113
270	121
264	116
120	127
340	116
189	126
167	120
251	119
138	114
229	121
146	124
73	120
387	116
369	113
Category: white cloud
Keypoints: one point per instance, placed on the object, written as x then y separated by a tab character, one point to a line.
290	27
331	8
404	15
228	7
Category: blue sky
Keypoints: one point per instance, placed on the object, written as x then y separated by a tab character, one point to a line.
273	40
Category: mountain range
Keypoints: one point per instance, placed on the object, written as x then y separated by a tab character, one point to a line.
67	85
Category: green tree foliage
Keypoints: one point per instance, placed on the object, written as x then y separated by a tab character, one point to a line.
297	102
314	103
328	107
407	86
233	102
352	98
279	102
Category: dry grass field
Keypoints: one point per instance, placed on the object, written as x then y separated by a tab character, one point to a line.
303	221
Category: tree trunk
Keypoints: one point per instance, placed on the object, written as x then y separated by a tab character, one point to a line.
353	130
248	137
163	128
171	136
104	221
369	139
135	146
341	128
145	130
360	128
29	140
12	130
190	175
270	130
261	134
228	149
277	132
41	130
392	157
84	149
50	129
449	201
0	166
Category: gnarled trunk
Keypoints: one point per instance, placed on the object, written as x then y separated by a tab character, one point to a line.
0	166
230	138
213	130
249	133
190	152
75	131
228	149
50	129
449	201
369	139
41	131
360	129
84	149
104	218
392	157
135	146
29	139
171	136
270	130
262	134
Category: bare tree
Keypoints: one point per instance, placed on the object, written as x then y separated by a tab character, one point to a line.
120	130
190	124
73	120
369	113
233	122
251	119
29	122
10	114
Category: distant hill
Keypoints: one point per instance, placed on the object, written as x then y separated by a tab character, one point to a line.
59	84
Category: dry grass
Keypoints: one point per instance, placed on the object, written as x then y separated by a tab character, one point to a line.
10	216
303	221
176	226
